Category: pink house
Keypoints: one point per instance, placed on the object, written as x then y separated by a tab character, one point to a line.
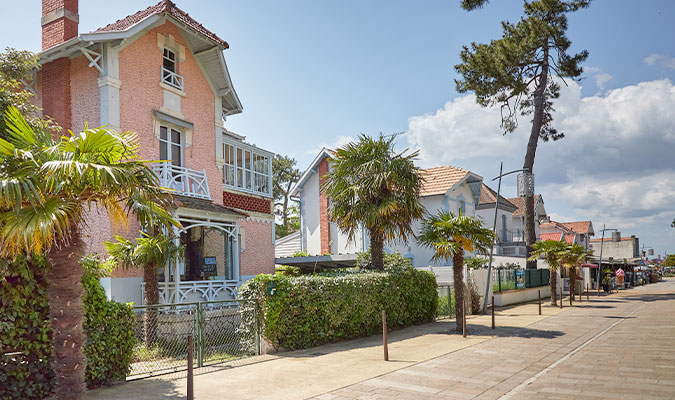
163	75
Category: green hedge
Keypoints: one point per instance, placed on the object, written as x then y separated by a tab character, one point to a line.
24	317
310	310
109	327
24	327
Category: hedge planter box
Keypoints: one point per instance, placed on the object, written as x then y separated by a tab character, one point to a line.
521	295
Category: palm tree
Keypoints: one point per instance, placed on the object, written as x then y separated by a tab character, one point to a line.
552	251
450	235
149	253
371	185
573	256
46	185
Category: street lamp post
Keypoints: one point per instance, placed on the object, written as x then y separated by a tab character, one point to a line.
494	228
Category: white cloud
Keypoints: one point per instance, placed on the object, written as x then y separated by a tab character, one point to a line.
660	59
615	164
601	79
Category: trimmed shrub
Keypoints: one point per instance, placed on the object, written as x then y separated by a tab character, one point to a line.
24	328
109	327
310	310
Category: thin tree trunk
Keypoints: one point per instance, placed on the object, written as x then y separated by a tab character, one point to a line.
65	292
376	249
573	272
284	214
458	279
537	122
554	287
151	297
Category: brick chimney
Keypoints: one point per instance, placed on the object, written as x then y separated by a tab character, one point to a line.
59	24
324	222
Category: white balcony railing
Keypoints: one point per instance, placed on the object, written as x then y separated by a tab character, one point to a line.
171	78
185	181
193	291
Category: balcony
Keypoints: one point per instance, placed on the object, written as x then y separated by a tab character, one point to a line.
184	181
511	236
172	79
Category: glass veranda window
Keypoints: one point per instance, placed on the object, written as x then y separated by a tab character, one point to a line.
246	169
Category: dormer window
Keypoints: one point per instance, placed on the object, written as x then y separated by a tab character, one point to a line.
169	72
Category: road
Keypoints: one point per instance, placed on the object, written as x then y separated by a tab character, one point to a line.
616	347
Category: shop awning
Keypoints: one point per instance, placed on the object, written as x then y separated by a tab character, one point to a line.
589	265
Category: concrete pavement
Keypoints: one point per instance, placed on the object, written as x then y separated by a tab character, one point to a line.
593	350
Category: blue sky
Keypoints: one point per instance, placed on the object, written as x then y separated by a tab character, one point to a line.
315	73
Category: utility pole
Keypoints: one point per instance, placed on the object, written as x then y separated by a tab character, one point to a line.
494	228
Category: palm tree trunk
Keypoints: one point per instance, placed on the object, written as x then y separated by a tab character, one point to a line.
376	249
67	316
554	287
151	297
535	132
458	278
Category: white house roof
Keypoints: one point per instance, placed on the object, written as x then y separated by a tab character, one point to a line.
313	167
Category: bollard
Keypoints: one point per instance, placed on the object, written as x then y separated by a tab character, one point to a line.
561	298
493	312
190	377
464	318
581	294
539	295
384	335
587	298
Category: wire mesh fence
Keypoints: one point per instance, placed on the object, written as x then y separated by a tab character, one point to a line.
503	280
446	302
162	331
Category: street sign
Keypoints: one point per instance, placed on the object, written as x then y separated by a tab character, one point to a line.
271	288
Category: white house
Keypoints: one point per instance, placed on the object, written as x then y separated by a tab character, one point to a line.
445	188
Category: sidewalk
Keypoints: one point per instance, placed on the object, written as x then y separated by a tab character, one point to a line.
311	372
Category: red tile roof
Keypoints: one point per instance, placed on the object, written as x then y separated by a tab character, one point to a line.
520	203
550	236
489	196
164	6
439	180
580	227
577	227
569	238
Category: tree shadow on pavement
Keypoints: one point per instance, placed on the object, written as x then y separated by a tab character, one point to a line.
508	331
140	389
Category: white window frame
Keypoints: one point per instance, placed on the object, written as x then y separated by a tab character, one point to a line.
171	78
236	167
169	143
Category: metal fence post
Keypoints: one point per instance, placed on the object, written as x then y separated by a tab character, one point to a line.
200	335
384	335
493	312
539	296
499	278
190	357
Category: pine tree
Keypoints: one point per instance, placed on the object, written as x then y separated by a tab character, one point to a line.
520	73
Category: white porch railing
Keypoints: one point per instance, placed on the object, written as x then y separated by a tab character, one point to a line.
193	291
172	78
185	181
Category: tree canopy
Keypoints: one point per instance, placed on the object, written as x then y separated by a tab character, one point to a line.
371	185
